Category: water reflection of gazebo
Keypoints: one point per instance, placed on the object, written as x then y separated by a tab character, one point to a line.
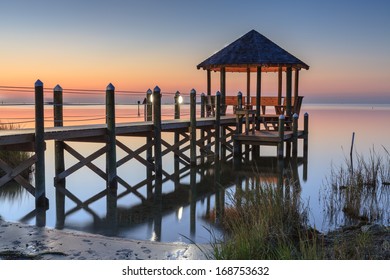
255	53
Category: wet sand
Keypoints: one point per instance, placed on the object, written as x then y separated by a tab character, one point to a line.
20	241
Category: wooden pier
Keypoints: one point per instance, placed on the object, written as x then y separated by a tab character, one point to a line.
197	140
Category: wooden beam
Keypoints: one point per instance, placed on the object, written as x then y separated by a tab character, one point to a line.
296	84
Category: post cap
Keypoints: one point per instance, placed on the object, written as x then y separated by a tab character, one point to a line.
202	94
58	88
218	93
239	93
193	91
177	93
157	89
281	117
306	114
110	87
149	91
295	116
38	83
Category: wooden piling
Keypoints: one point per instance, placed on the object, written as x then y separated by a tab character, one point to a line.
58	145
149	150
295	135
305	144
306	124
111	138
177	98
237	146
157	136
193	127
217	129
281	136
40	146
59	159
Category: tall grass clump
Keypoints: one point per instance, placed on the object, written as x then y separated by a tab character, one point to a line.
266	222
358	191
12	190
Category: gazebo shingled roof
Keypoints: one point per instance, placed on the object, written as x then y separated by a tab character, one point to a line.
250	51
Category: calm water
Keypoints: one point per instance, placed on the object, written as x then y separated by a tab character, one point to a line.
188	202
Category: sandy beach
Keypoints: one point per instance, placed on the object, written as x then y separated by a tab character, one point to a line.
20	241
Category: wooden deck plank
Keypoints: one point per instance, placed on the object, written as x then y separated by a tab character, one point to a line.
66	133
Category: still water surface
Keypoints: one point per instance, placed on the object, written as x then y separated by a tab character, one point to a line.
188	202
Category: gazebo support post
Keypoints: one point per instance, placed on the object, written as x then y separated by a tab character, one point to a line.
208	82
223	89
248	86
288	90
280	83
222	109
296	84
258	97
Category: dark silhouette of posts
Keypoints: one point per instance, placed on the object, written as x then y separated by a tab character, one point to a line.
111	138
217	125
149	151
149	105
40	146
281	136
176	157
58	145
295	135
193	127
59	160
157	139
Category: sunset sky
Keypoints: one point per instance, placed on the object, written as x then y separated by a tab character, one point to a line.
139	44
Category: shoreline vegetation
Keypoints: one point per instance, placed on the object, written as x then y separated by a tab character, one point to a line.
268	222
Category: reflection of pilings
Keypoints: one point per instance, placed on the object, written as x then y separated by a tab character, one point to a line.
112	210
193	201
193	127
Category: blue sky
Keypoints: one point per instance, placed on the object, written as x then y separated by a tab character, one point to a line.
138	44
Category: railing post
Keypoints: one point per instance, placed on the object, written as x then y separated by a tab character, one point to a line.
149	105
157	136
40	146
217	125
111	138
177	100
281	136
193	127
202	105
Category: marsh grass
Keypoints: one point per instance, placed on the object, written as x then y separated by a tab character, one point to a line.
13	190
358	191
263	222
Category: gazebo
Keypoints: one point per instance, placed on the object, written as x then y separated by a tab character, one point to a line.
254	52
